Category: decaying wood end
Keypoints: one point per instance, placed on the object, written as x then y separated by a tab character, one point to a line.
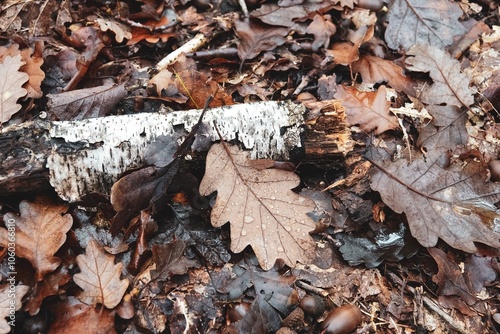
328	135
90	155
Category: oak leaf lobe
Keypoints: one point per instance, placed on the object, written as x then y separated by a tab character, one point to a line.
263	210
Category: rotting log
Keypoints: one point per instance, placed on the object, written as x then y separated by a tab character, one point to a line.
78	157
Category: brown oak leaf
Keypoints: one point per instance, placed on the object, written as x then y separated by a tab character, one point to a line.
99	277
72	316
422	22
322	28
255	37
11	86
377	70
368	109
258	202
6	301
450	86
445	96
345	53
39	232
453	203
33	62
121	31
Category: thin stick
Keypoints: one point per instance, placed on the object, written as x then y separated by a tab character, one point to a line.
191	46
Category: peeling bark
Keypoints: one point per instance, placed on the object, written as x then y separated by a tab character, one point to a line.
78	157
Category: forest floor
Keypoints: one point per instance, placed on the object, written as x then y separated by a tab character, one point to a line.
381	217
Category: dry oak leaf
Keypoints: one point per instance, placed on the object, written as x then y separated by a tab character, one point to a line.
39	232
263	210
422	22
454	203
99	277
377	70
450	86
11	86
6	301
33	62
255	37
368	109
121	31
345	53
322	28
72	316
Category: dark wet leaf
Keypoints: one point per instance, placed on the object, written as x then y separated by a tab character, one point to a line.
135	192
160	152
386	246
479	272
170	260
449	277
273	295
85	103
455	203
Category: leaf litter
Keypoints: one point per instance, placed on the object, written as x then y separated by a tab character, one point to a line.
435	68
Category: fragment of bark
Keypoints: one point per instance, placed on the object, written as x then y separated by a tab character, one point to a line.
78	157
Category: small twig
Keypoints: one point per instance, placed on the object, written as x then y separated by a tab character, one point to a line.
305	81
214	53
310	288
131	23
244	8
191	46
190	137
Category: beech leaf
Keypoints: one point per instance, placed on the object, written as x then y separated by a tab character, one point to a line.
369	110
99	277
11	86
39	232
6	301
263	210
85	103
422	22
455	203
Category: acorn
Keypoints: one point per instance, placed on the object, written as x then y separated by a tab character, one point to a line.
342	320
312	305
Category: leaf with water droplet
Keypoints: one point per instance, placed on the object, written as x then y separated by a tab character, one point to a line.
267	223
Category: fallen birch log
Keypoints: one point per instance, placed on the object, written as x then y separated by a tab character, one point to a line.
78	157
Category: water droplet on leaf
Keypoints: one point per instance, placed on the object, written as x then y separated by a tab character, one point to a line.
248	219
